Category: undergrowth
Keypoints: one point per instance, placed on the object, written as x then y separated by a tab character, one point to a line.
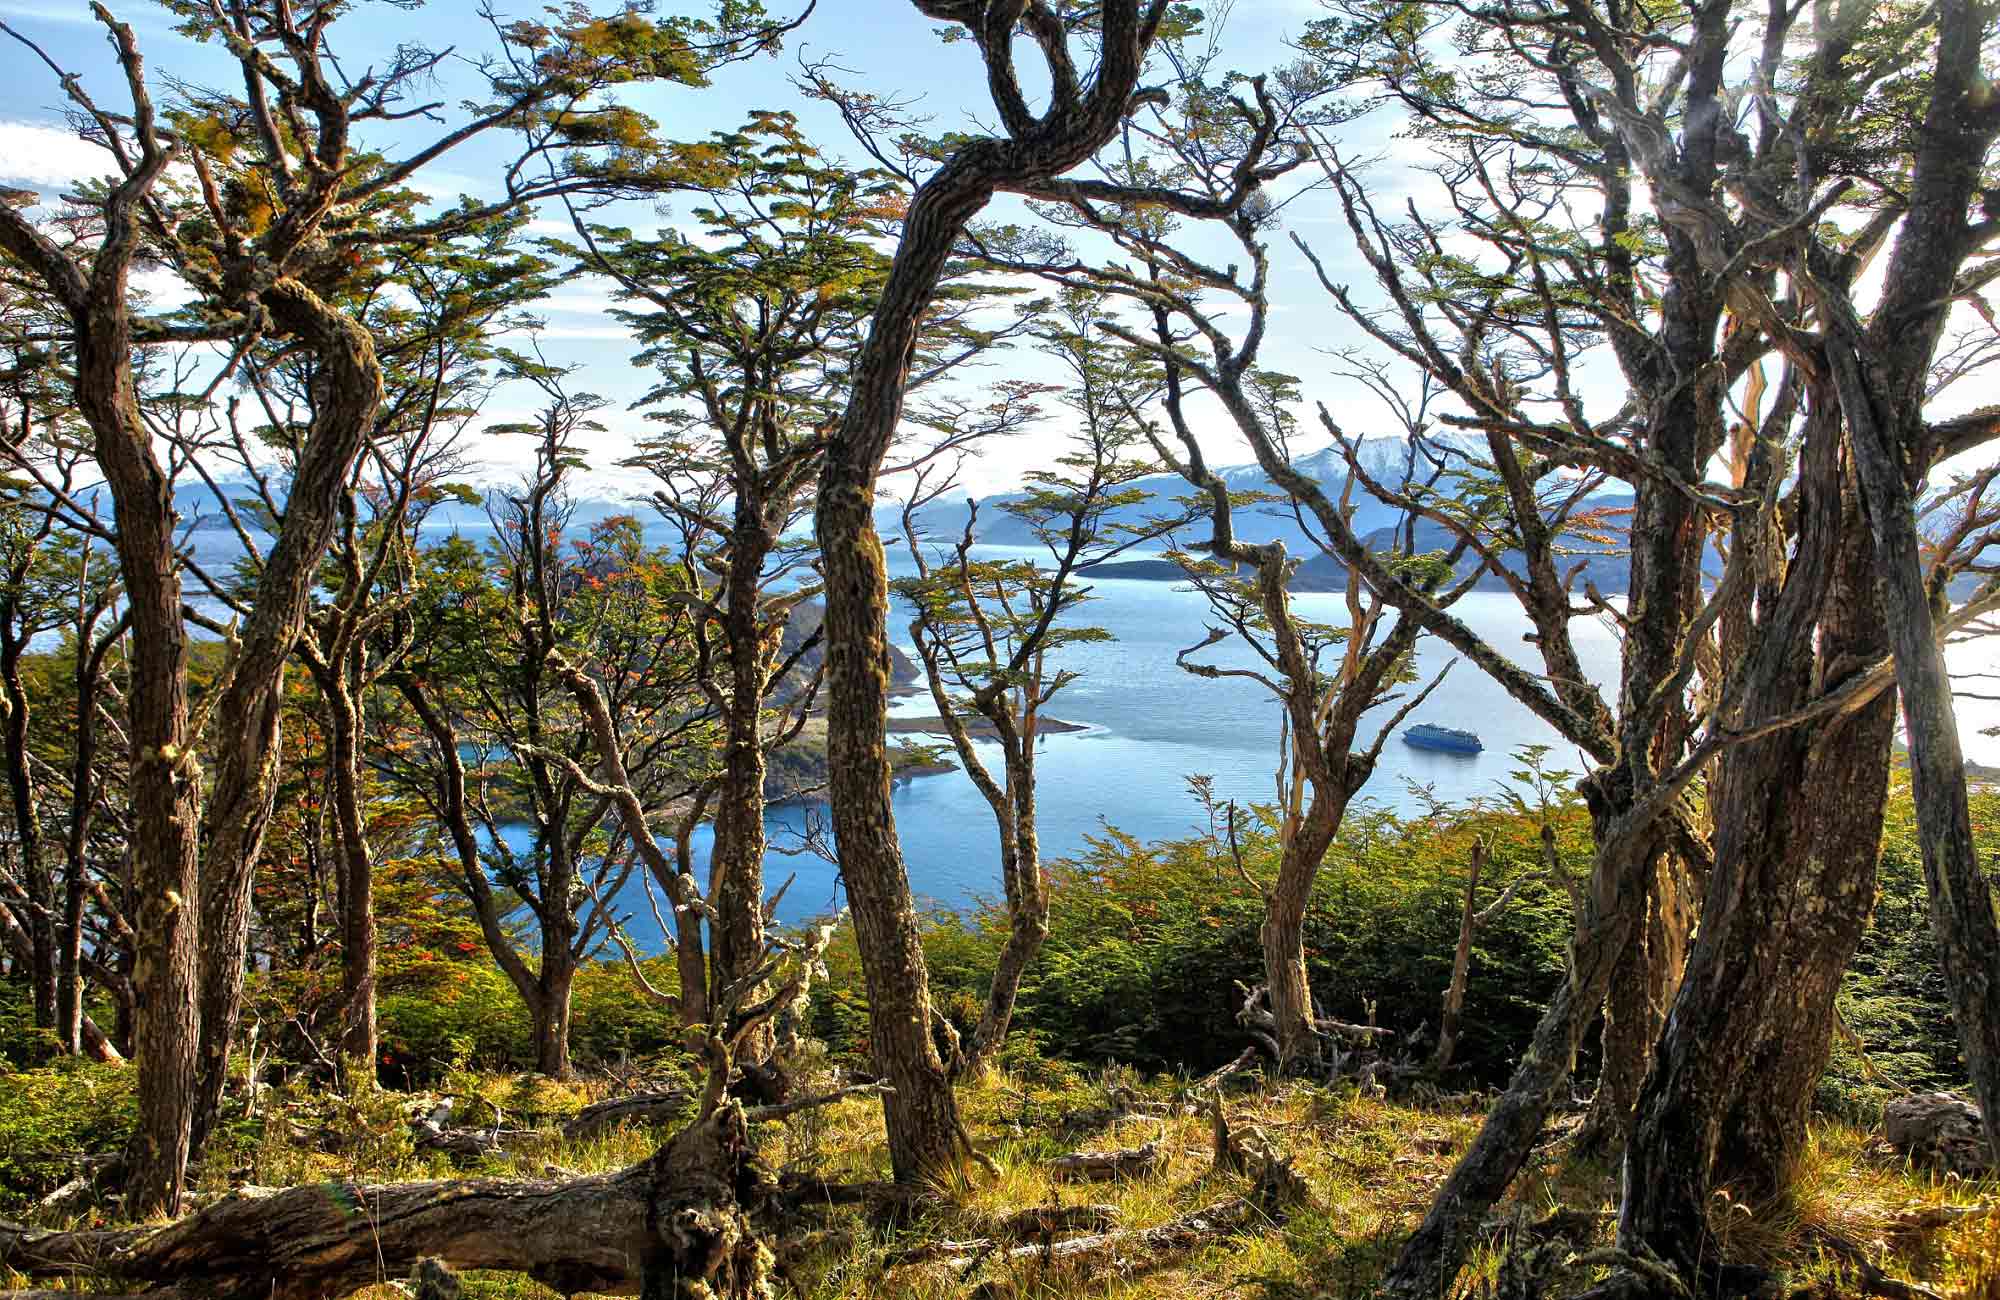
1371	1167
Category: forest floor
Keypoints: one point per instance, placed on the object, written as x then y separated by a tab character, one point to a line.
1369	1168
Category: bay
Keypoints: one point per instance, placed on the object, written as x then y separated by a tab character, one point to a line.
1149	725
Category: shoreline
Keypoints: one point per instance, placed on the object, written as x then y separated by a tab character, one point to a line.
933	725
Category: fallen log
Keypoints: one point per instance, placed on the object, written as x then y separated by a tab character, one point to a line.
331	1239
645	1108
1101	1166
690	1221
1124	1250
1044	1221
1216	1078
465	1143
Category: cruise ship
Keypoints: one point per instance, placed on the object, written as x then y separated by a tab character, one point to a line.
1428	736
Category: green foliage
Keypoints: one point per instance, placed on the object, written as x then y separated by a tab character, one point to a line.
614	1021
1148	942
476	1020
22	1042
67	1108
1895	1001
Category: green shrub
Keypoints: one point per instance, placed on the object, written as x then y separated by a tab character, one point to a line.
476	1019
47	1115
1148	943
1894	1000
613	1020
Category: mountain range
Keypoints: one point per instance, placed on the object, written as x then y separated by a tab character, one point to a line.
1382	457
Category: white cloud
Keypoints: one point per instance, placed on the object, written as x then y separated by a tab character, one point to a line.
49	157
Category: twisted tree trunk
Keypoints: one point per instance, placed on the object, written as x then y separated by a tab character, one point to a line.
1798	821
247	749
921	1112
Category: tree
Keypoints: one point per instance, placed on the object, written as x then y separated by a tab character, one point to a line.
283	206
989	630
1679	281
1885	373
1080	117
437	371
753	330
1320	768
505	639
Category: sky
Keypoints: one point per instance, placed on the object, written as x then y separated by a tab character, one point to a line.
886	46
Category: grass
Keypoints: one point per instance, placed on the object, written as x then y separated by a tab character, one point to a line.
1371	1167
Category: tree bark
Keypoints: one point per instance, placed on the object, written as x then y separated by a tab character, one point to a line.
40	918
89	666
1282	933
921	1113
247	761
1882	375
1635	1009
1431	1257
1798	821
736	856
357	870
1013	803
1961	901
164	785
1025	889
330	1240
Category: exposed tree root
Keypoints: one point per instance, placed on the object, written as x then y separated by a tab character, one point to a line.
1123	1251
1043	1221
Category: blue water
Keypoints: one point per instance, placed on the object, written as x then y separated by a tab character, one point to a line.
1151	725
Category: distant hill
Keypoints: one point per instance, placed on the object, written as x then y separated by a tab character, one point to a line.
1383	457
1318	571
805	619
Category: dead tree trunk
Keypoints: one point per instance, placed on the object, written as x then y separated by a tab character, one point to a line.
1461	964
700	1241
